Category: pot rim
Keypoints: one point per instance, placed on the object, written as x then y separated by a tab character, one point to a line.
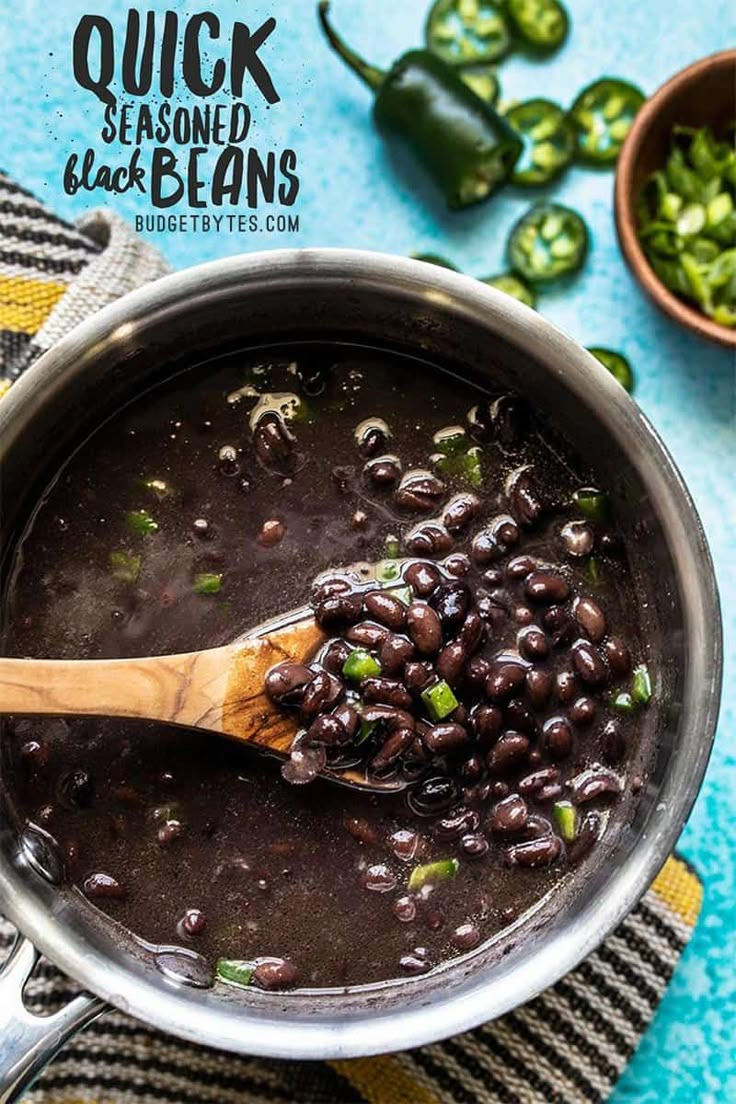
456	1008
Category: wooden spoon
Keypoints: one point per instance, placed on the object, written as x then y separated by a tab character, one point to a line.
220	690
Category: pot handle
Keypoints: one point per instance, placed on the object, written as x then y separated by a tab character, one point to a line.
28	1042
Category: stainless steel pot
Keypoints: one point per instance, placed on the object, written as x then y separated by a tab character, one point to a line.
401	305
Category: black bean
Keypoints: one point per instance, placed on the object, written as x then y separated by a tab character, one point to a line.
423	578
457	565
286	681
202	529
394	747
76	789
386	609
419	491
519	717
424	628
535	782
618	656
384	691
227	459
578	538
588	664
328	586
389	715
565	686
613	743
373	436
102	886
526	503
591	618
192	923
349	718
452	602
328	730
561	626
550	792
466	937
538	687
472	769
367	634
274	442
547	587
433	796
335	656
457	822
415	963
384	471
460	511
558	738
404	844
451	661
474	844
476	673
472	632
587	837
509	751
533	643
271	533
276	973
362	830
444	738
359	520
429	538
484	548
503	680
535	852
395	652
321	694
338	609
582	711
594	782
523	616
509	815
405	909
520	566
486	722
510	420
417	675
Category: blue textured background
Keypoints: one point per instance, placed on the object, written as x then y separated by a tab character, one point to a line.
355	194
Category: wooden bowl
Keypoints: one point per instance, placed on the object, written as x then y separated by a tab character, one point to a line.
704	93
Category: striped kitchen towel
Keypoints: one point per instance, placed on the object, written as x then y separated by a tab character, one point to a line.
569	1046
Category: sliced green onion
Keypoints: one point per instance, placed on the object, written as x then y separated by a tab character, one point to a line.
234	971
466	467
452	440
125	567
616	364
367	728
387	571
207	583
360	665
441	871
393	547
566	819
439	700
592	570
641	685
623	703
141	523
593	504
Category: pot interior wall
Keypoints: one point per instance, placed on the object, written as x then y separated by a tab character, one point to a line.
400	316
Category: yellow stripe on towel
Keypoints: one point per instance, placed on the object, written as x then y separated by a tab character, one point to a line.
26	304
680	890
383	1081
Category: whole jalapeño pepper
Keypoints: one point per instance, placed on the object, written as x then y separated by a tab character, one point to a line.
467	148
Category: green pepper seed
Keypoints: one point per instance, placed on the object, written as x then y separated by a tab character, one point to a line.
234	972
439	700
440	871
616	364
548	242
125	567
514	287
467	31
602	115
540	24
207	583
360	665
549	142
141	523
641	685
566	819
